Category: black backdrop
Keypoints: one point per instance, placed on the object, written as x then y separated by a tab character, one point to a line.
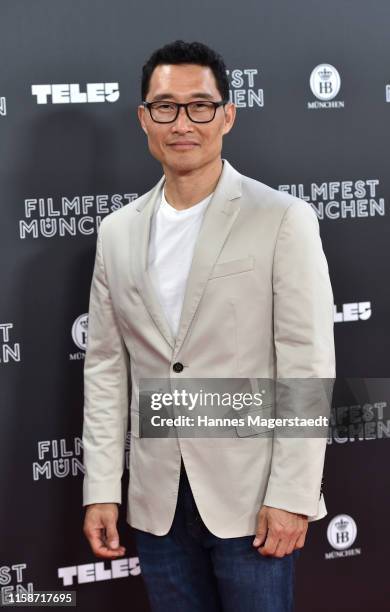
71	150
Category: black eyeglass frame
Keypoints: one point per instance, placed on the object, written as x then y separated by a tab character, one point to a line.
178	105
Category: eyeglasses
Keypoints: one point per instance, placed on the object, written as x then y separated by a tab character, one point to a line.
201	111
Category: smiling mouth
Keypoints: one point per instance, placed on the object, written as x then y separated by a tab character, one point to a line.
183	145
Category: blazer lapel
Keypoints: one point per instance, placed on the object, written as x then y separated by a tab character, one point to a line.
218	220
139	237
217	223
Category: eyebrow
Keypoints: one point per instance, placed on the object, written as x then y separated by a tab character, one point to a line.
197	94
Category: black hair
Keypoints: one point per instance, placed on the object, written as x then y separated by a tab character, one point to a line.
180	52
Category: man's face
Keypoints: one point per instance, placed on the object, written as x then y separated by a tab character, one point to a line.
183	145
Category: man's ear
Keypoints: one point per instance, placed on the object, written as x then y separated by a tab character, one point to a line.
230	116
141	117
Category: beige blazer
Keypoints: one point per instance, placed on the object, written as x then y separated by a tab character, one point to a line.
258	304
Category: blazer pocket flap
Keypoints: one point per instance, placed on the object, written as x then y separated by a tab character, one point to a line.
233	266
254	422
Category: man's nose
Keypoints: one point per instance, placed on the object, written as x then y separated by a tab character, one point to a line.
182	121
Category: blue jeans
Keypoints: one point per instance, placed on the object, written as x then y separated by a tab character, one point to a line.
192	570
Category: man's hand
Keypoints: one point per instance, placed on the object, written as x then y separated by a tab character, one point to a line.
101	532
279	532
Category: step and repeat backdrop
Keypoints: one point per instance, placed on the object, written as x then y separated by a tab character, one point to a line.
311	81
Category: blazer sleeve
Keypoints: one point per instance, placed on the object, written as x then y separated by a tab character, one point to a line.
106	392
304	345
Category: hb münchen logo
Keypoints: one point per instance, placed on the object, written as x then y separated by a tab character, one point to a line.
341	532
80	331
325	82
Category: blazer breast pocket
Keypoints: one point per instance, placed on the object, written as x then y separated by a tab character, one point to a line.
234	266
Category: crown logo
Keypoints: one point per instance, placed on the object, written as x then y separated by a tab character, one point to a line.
341	525
84	323
325	74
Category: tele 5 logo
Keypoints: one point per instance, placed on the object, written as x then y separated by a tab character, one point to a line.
71	93
353	311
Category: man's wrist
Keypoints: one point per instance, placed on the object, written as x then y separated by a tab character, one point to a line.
101	504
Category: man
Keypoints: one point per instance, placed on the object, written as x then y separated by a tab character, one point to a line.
209	274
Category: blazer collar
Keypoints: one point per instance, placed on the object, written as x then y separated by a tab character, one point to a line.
217	223
228	188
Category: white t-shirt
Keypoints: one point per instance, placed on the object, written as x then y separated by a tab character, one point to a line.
172	241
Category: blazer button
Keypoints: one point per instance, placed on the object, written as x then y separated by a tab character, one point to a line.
178	367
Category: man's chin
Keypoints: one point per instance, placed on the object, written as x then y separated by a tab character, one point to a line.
183	162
